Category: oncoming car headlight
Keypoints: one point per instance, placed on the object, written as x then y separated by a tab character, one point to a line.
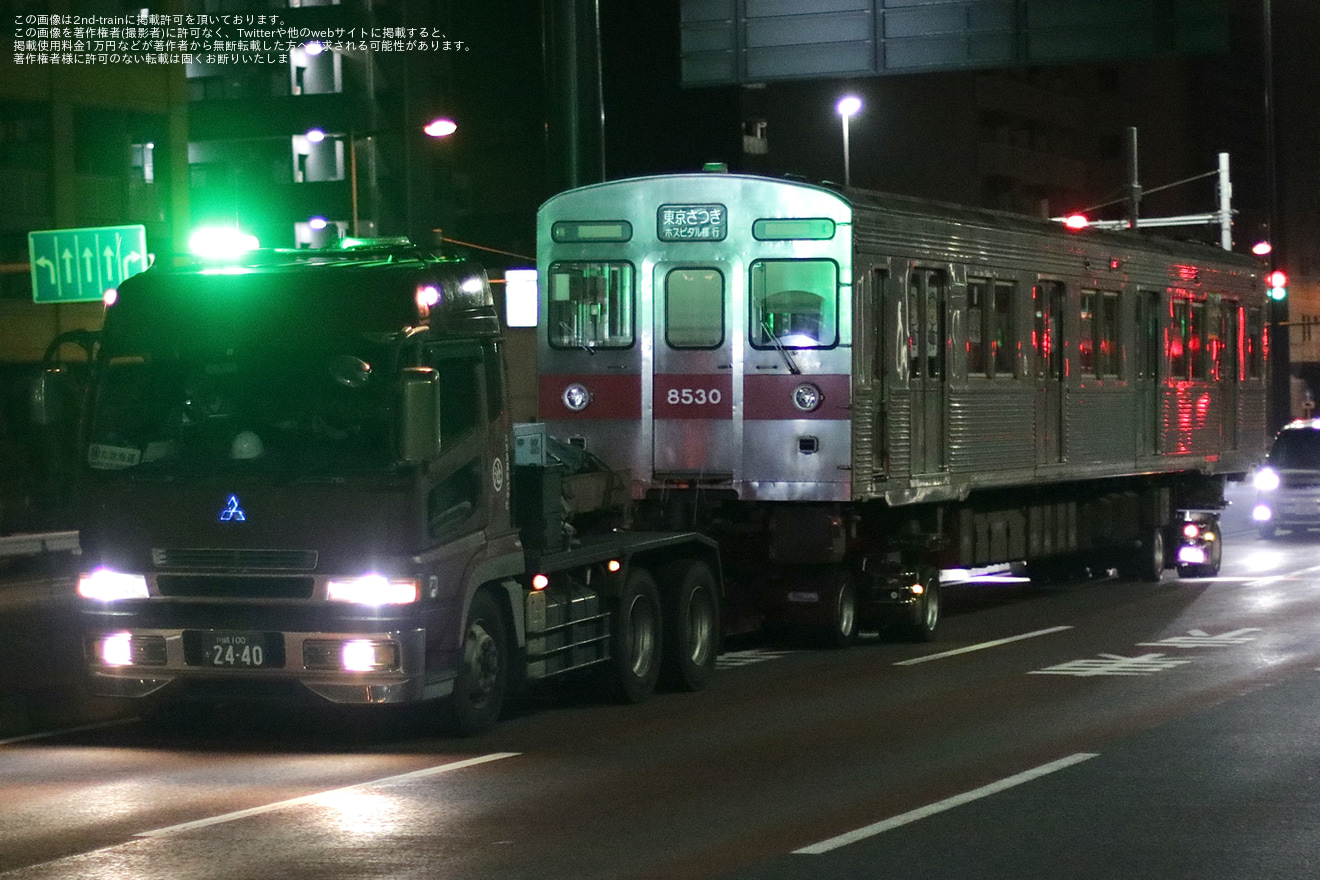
1267	480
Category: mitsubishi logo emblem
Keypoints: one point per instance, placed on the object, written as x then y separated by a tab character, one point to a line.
233	511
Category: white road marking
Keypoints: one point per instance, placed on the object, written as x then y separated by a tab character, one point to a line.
981	647
47	734
735	659
1199	638
947	804
280	805
1114	664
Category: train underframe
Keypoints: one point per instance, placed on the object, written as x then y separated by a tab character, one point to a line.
833	569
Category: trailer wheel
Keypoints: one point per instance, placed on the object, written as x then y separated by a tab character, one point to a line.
691	624
636	638
483	672
925	612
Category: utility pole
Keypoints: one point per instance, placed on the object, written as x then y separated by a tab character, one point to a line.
1134	182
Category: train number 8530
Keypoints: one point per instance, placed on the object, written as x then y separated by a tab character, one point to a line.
693	396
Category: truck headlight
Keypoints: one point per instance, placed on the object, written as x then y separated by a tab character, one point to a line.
107	585
374	589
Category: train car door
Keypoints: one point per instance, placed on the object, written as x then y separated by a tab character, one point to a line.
692	372
927	296
1228	376
1050	369
1148	355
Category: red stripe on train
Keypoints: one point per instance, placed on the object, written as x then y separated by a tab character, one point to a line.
612	397
770	398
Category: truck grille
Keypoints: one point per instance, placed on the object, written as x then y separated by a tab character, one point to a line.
234	560
209	586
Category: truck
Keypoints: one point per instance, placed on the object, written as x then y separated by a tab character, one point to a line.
301	483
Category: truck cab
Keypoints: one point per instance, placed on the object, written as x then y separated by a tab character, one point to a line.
294	464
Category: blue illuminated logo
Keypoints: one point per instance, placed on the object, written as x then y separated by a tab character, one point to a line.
233	511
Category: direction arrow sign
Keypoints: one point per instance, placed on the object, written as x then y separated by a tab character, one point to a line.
80	265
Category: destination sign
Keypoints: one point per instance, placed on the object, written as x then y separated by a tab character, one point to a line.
692	223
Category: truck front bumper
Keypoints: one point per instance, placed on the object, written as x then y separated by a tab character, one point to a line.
339	667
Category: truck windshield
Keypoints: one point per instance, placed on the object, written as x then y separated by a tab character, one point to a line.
292	411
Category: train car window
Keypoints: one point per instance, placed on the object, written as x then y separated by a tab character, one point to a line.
694	308
976	296
1253	351
1086	334
1196	339
1047	302
1213	335
925	317
1108	361
1002	334
794	303
1175	339
590	305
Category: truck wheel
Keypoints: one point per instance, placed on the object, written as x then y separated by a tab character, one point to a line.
691	624
1147	563
841	591
636	638
925	612
483	672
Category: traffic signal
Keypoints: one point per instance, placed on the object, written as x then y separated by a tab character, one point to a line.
1278	283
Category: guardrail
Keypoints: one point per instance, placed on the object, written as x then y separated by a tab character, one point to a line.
34	543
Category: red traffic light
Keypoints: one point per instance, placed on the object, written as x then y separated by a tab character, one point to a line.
1076	221
1277	278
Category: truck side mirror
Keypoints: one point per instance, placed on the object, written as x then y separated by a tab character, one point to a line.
46	397
419	414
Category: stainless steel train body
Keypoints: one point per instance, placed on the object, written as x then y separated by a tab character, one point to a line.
877	357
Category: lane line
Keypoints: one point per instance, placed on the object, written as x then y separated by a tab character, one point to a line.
982	646
280	805
947	804
47	734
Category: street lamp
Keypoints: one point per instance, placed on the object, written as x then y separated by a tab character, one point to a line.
847	107
438	128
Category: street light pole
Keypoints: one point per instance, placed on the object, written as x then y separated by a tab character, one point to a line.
847	108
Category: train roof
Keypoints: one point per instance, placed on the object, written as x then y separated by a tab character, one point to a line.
875	203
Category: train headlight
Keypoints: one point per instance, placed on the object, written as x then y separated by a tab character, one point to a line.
576	397
1266	480
807	397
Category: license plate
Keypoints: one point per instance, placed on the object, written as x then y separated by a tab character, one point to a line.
234	650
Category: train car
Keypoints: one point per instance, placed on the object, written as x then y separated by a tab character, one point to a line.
855	390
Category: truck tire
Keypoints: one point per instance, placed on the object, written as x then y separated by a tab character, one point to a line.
841	592
924	615
636	638
483	672
691	624
1147	561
